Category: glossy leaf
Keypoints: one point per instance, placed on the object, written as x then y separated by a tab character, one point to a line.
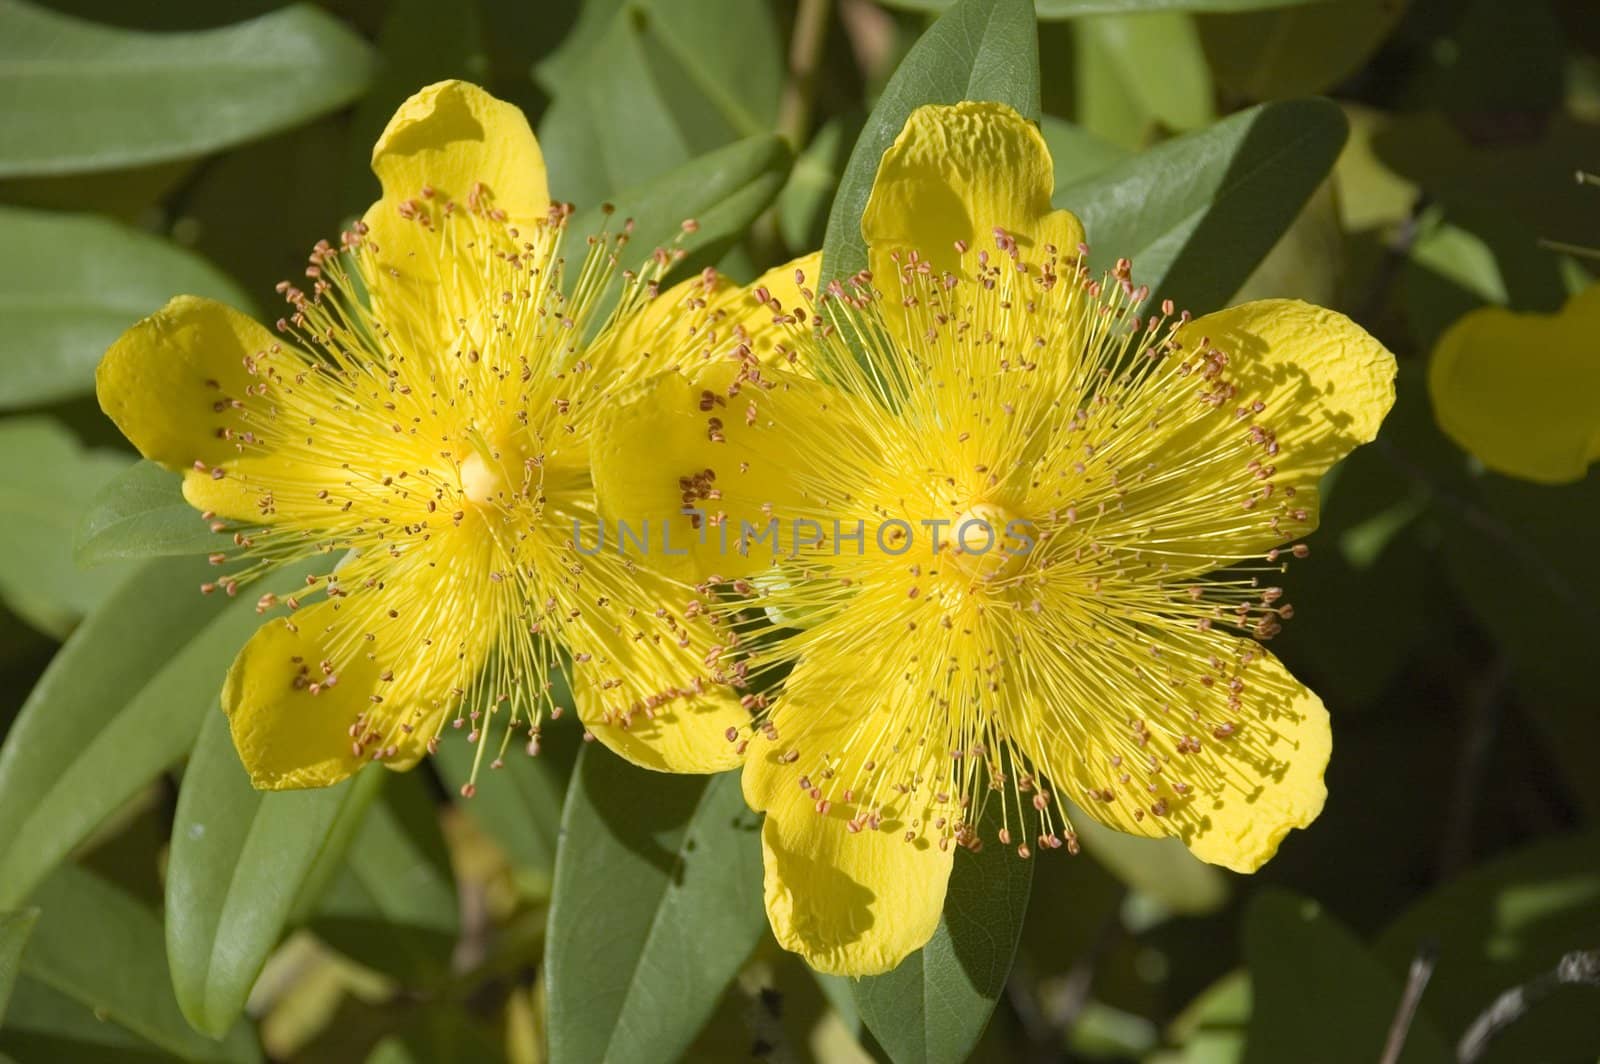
657	904
723	191
96	954
393	907
141	513
978	50
70	284
15	927
1319	994
936	1004
80	96
46	482
121	703
1198	213
651	84
239	857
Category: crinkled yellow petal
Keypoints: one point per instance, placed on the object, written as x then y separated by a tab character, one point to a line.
640	678
1324	384
850	902
451	142
394	670
1522	391
1255	774
956	173
176	382
696	437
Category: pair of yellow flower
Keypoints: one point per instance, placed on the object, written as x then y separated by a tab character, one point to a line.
973	537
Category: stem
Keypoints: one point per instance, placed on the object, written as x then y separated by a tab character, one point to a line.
805	57
1578	968
1416	982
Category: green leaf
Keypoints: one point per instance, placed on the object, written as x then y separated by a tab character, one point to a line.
121	702
80	96
1060	9
653	85
935	1006
239	857
723	191
657	904
46	482
141	513
1499	925
1296	51
1077	153
394	906
978	50
1319	994
97	948
804	203
1211	1029
15	927
1198	213
1162	869
70	284
1115	57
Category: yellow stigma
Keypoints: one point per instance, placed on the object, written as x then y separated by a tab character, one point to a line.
483	481
989	542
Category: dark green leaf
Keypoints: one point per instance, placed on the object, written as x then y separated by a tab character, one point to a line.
239	857
15	927
978	50
1500	925
657	903
80	96
394	906
70	284
98	948
46	482
935	1006
1319	993
120	703
1196	214
141	513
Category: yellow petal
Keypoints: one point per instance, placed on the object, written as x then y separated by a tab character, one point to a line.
1257	772
1324	383
684	439
637	689
449	143
1522	391
851	902
393	674
163	379
957	173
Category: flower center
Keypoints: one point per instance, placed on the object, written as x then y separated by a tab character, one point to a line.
989	542
483	481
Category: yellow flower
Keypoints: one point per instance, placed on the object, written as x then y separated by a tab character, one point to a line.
1027	547
1522	391
425	415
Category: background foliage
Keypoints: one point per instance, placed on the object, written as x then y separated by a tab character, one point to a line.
154	907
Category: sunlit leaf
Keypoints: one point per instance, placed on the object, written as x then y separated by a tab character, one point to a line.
80	96
239	857
657	903
120	703
1198	213
141	513
978	50
936	1004
70	284
1117	95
